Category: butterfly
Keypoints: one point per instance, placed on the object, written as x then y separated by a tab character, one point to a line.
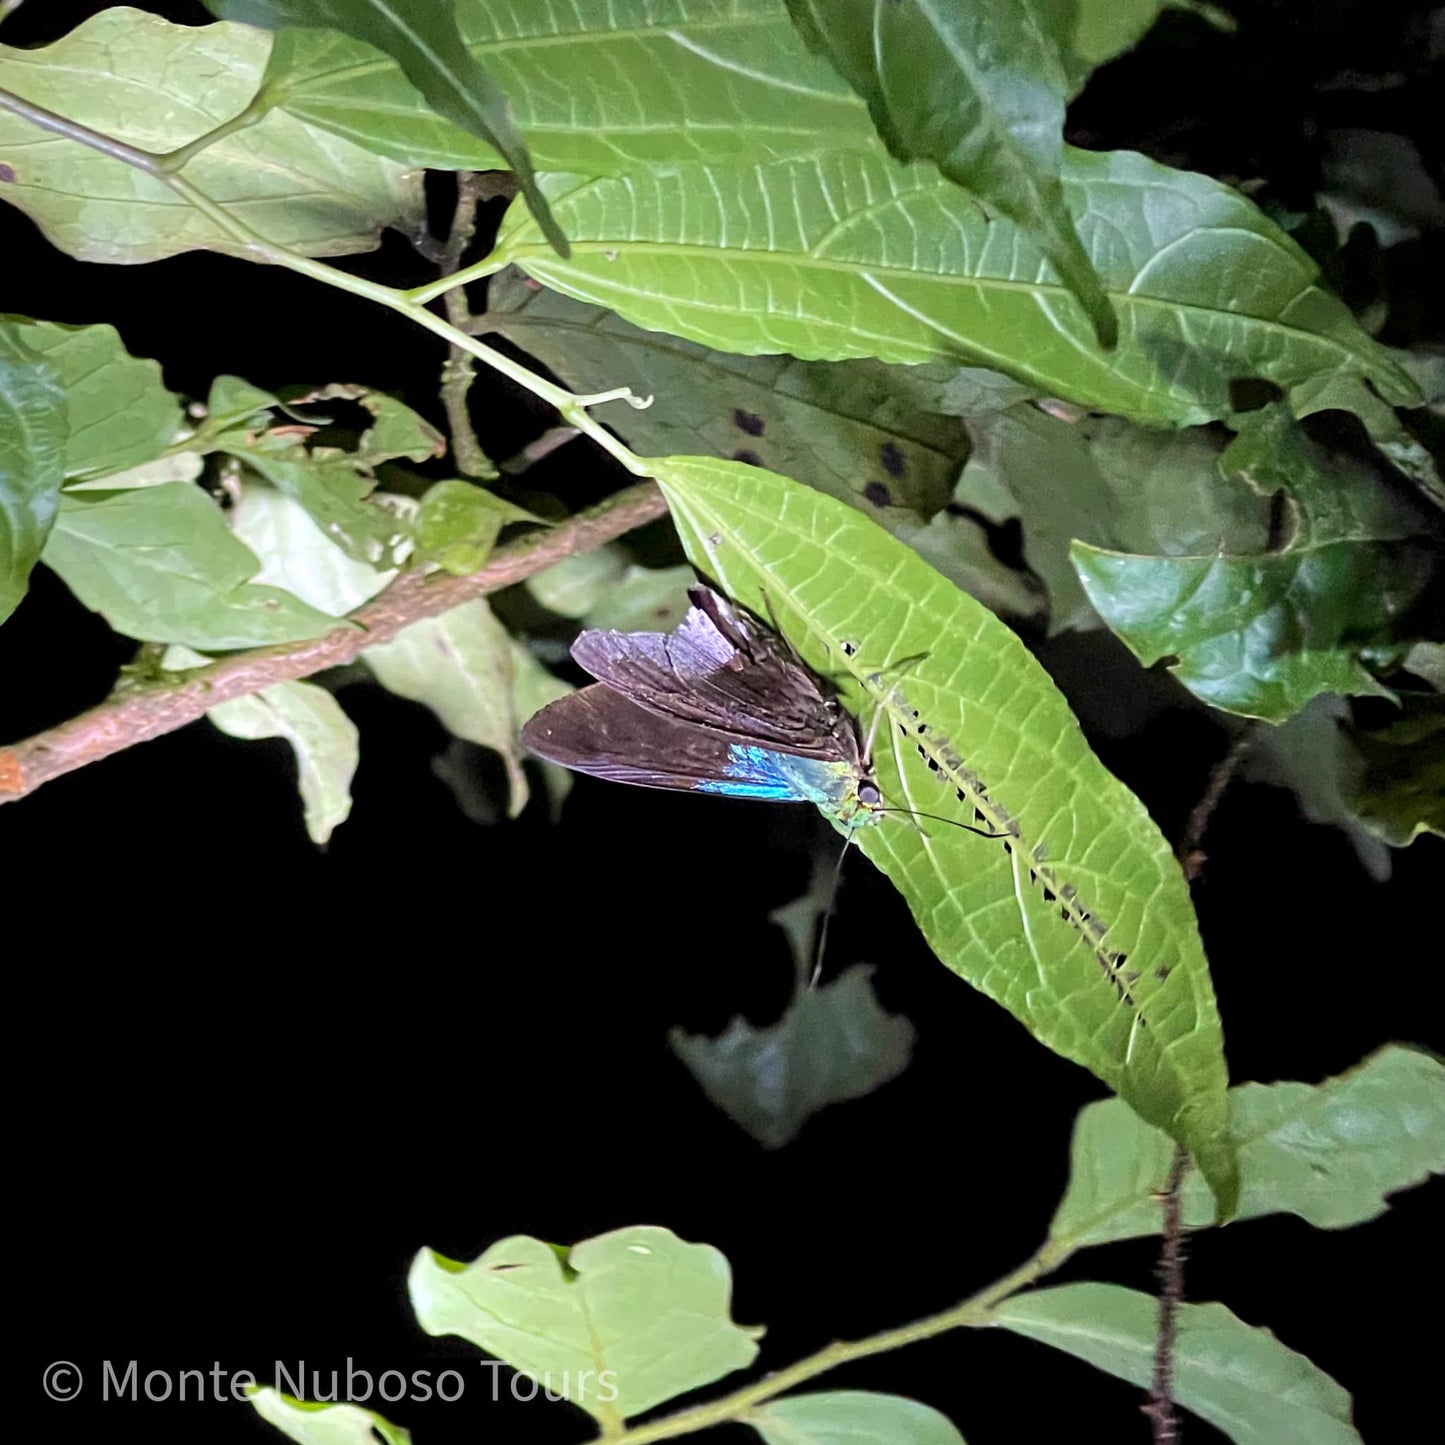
719	705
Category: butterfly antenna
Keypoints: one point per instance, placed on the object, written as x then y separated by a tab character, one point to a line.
952	822
828	913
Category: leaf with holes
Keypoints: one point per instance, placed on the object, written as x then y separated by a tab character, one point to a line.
617	1324
142	80
1079	922
849	254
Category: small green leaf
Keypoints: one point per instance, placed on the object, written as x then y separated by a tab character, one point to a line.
847	254
140	79
1260	634
1400	792
833	1043
34	425
845	1417
1329	1152
322	1424
422	37
457	525
1079	922
121	414
160	565
978	89
1238	1377
644	599
576	585
233	402
323	738
460	666
617	1324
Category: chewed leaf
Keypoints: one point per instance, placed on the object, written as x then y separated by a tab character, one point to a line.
1079	920
616	1324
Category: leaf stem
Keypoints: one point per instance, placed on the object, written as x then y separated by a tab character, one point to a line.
972	1312
141	712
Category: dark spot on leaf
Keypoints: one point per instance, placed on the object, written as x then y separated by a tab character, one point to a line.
1161	973
1253	393
891	459
1048	896
961	798
1008	847
849	648
922	727
903	729
748	421
878	494
7	173
751	458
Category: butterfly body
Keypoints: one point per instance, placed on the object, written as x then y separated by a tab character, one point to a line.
719	705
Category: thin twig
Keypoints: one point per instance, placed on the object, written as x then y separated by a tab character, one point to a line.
1160	1409
1191	847
138	714
459	369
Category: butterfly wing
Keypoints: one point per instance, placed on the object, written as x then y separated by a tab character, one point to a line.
601	732
720	670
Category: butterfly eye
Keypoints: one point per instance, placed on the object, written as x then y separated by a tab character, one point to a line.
869	795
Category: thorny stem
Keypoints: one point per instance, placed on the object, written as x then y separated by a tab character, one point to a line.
137	713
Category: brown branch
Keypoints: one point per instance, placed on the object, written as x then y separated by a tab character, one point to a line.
138	714
1159	1407
459	370
1191	848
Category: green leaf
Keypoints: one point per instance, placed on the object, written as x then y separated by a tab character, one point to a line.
396	431
648	84
1329	1152
1261	633
34	426
460	666
978	89
140	79
159	564
1104	29
323	738
457	525
617	1324
1079	922
1238	1377
644	599
233	402
833	1043
576	585
866	433
422	37
1400	793
849	255
121	414
844	1417
321	1424
533	687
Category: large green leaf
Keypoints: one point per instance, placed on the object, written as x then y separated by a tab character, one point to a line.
1329	1152
978	89
1262	633
140	79
845	1417
596	89
1237	1376
851	255
1079	922
422	37
121	414
160	565
616	1324
34	426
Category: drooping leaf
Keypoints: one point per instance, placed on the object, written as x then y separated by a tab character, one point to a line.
866	433
648	84
1237	1376
1079	922
34	425
309	1423
140	79
618	1323
845	1417
1400	792
460	666
324	739
833	1043
160	565
978	89
1260	634
422	38
1331	1153
121	414
849	254
457	525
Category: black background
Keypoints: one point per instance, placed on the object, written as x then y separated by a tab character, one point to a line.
253	1078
